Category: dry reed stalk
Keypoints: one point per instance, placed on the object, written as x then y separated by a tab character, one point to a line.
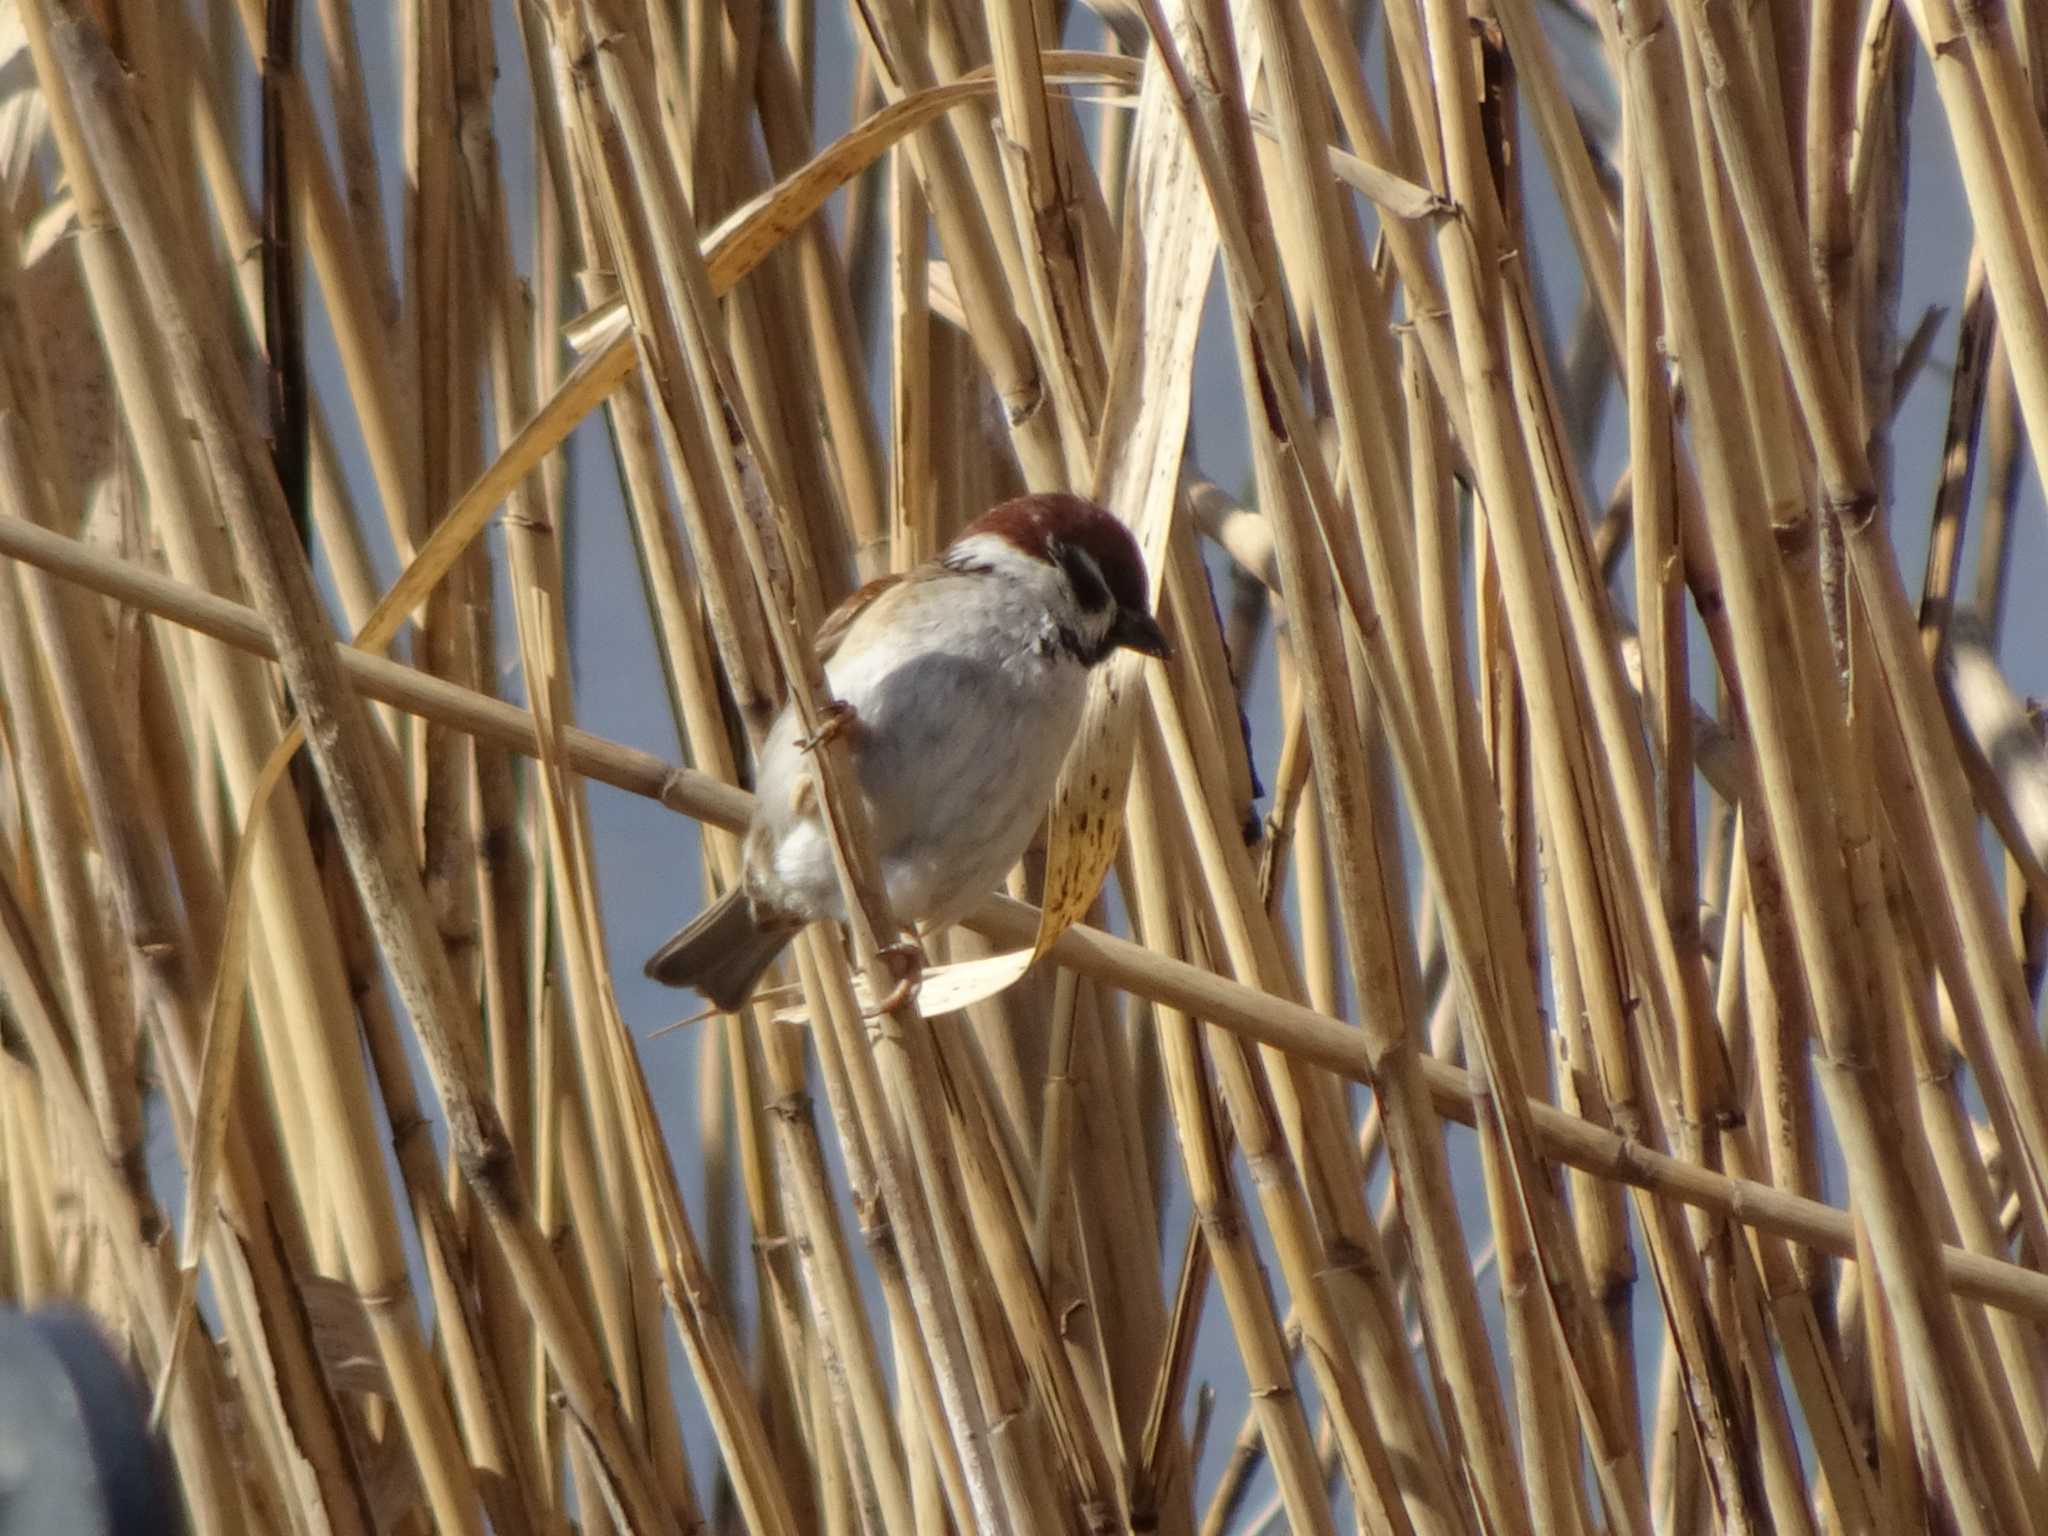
734	481
375	1249
154	928
1417	1154
366	824
1291	1027
1787	733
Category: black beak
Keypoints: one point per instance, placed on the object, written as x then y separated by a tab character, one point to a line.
1137	630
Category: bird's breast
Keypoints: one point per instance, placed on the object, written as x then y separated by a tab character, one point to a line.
960	733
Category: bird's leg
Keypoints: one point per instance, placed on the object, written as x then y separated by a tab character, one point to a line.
905	960
833	718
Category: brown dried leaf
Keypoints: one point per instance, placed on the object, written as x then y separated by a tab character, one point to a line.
1138	475
343	1337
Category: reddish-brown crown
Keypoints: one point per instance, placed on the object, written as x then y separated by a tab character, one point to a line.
1044	524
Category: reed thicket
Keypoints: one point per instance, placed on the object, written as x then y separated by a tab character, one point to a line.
1651	852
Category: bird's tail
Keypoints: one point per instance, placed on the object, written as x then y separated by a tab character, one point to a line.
723	951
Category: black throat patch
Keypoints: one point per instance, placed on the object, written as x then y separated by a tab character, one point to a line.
1069	642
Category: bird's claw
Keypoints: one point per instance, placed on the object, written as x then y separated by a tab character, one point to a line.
835	717
905	960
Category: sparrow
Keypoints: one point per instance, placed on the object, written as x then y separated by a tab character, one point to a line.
958	688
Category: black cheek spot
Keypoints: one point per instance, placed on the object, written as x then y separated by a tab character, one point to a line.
1082	575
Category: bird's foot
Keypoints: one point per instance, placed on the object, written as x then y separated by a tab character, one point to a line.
905	960
835	717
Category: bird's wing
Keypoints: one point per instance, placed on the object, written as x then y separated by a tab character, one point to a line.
841	619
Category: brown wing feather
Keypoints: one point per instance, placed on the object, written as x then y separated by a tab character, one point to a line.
840	619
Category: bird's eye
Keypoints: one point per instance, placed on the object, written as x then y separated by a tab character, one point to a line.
1083	575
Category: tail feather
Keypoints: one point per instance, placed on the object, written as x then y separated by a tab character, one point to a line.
723	951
